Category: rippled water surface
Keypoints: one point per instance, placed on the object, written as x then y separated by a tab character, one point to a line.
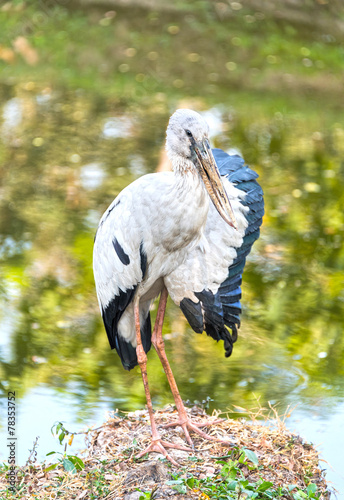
67	149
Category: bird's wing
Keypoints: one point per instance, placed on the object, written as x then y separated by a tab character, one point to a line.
119	265
207	285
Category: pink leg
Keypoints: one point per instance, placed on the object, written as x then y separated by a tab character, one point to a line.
157	444
159	345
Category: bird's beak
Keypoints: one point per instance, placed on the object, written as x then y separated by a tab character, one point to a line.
212	180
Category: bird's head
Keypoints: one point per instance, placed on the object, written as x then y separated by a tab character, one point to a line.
187	145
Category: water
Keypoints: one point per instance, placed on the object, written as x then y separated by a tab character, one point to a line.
68	146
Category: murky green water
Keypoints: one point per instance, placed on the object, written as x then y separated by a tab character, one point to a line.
66	150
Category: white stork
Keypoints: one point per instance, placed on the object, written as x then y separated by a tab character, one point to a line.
185	233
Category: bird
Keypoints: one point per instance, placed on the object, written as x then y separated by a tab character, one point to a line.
184	233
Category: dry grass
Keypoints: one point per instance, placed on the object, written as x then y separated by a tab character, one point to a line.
111	471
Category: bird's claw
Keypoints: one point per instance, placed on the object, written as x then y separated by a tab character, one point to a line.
187	426
158	446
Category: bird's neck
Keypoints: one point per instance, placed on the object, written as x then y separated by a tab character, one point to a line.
181	165
186	176
191	194
189	181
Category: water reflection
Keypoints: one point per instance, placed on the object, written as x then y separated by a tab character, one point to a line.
64	159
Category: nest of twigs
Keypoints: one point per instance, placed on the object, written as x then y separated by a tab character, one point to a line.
112	472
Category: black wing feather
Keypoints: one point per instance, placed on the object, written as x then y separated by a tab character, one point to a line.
113	312
223	309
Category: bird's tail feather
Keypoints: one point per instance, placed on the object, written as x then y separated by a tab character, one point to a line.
213	313
218	311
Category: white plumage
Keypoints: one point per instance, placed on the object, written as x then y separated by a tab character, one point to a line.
187	231
189	247
206	265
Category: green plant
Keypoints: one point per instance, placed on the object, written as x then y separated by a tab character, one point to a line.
97	483
230	482
61	432
147	495
70	463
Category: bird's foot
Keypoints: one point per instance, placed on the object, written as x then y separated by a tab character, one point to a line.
187	425
159	446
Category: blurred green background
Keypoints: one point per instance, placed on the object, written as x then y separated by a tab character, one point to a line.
86	89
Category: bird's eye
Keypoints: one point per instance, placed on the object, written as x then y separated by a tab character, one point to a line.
188	133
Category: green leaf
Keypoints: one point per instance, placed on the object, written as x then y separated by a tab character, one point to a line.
311	489
232	485
225	470
61	437
68	465
144	495
190	482
233	473
51	453
79	464
178	485
51	467
300	495
251	456
252	494
57	429
265	485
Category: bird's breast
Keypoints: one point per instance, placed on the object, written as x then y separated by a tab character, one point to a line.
179	217
173	244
